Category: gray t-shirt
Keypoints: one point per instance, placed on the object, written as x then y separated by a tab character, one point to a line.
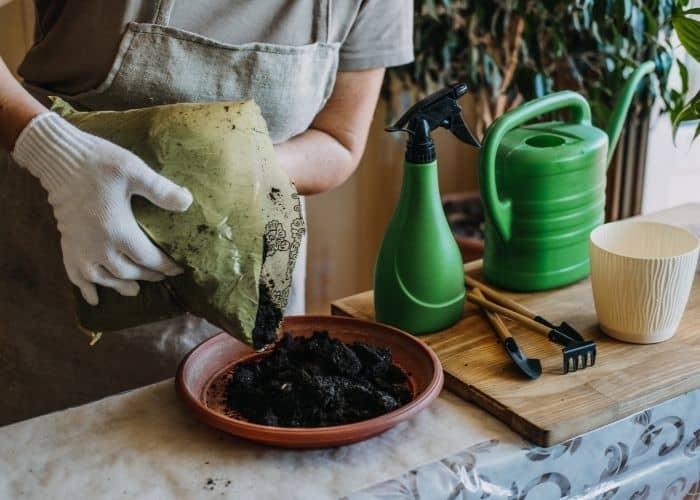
76	41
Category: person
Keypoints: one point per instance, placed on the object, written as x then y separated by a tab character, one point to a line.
314	67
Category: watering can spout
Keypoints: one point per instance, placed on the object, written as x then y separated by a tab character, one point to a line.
619	112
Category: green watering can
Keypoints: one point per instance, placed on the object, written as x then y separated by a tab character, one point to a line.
543	189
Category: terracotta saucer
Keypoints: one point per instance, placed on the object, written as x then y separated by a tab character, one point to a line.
199	381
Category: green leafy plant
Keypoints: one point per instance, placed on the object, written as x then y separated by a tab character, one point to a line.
509	51
688	30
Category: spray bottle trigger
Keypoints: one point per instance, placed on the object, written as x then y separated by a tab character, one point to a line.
461	130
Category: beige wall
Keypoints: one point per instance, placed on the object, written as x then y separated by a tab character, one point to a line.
16	31
346	225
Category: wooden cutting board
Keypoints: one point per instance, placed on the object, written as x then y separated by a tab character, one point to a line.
626	379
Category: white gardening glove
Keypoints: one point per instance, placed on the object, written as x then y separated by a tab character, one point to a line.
90	182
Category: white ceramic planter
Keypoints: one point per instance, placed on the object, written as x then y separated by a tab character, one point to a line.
641	273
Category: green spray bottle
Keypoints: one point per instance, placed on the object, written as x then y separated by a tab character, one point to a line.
418	278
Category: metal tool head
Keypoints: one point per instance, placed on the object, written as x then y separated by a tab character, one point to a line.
563	327
530	367
579	356
569	330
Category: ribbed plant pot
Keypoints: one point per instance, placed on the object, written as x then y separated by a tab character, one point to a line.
465	215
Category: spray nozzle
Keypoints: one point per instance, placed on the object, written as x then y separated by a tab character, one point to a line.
436	110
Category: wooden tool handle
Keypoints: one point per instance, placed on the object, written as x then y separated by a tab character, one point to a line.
496	322
498	297
473	265
509	313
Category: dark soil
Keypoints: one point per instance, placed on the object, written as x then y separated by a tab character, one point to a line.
269	316
274	193
317	382
267	319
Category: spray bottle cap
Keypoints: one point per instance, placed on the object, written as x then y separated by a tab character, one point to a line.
437	110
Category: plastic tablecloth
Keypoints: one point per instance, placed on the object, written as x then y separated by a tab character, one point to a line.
652	455
144	444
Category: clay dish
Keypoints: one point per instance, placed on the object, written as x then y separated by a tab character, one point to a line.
200	381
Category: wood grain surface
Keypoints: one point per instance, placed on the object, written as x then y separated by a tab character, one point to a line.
626	379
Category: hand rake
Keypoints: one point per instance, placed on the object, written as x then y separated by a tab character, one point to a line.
577	352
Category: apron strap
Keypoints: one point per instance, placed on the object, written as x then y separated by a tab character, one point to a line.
163	10
322	23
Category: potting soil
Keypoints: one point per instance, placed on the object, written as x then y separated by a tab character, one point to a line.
316	382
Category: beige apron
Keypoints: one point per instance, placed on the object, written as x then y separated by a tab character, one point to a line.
45	362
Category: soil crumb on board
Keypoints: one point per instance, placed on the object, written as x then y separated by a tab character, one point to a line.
316	382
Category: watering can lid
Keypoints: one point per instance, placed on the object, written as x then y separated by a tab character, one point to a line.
541	139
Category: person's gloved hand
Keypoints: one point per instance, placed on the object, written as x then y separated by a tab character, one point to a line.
90	182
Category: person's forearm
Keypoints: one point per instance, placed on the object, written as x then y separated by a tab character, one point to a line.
17	108
316	161
323	157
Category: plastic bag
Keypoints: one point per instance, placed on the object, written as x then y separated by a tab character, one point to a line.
239	240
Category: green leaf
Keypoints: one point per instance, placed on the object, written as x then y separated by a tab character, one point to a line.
636	22
492	74
587	17
577	22
539	85
689	34
690	112
448	6
684	77
596	32
609	64
652	25
627	9
431	8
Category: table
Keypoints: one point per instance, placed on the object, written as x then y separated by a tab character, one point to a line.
143	444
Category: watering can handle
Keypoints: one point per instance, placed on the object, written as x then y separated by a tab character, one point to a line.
499	211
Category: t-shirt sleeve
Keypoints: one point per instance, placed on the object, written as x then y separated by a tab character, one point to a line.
381	36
